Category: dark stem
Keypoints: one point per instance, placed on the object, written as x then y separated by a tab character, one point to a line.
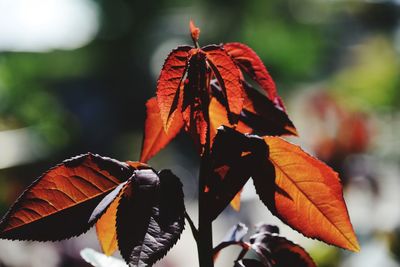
205	246
204	242
195	232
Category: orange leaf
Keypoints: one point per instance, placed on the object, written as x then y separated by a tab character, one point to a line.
105	228
168	84
309	196
219	117
250	62
155	136
69	190
228	76
235	202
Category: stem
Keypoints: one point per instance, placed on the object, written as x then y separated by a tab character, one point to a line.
195	232
205	246
204	242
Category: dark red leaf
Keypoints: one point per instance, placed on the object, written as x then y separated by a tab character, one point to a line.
150	217
155	137
279	251
67	192
196	98
168	84
260	114
250	63
232	165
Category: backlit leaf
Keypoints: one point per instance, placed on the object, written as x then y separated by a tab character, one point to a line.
219	117
168	84
196	98
105	229
68	192
150	217
229	78
309	196
155	137
105	214
250	63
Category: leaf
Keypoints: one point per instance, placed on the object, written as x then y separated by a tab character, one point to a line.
150	217
105	229
250	63
272	248
287	254
232	165
194	31
155	137
69	190
219	117
196	98
229	78
261	115
168	84
235	202
308	195
105	214
100	260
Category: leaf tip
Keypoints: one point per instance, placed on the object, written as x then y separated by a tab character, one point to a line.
194	31
354	246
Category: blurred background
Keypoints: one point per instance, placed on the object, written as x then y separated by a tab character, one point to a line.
75	74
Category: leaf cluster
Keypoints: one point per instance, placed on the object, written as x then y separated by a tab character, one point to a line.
237	129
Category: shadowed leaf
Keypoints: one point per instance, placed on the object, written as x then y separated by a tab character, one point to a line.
150	217
155	137
260	114
70	190
308	196
279	251
233	165
268	249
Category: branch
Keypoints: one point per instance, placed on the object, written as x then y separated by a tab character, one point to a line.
195	232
